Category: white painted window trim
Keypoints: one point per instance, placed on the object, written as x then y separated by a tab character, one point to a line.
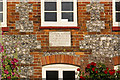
59	20
117	67
60	68
4	23
114	13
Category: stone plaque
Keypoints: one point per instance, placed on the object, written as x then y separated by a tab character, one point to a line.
59	39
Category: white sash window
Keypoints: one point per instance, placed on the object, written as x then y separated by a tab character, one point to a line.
116	12
3	13
58	12
59	71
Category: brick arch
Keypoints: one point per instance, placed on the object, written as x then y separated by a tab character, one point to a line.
60	59
40	61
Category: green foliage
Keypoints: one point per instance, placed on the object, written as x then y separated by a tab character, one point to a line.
98	71
10	67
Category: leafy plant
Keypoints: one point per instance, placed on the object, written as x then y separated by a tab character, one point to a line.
98	72
10	67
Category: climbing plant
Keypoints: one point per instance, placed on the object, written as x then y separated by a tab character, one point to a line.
98	71
10	66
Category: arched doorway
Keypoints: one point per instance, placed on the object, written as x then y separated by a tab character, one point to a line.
59	72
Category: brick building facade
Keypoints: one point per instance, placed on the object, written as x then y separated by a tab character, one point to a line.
93	39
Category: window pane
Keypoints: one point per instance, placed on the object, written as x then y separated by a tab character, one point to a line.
117	17
51	75
67	15
67	6
1	17
1	6
50	16
117	6
50	6
68	75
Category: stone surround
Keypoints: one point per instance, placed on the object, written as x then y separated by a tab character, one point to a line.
102	46
21	44
24	25
26	71
95	25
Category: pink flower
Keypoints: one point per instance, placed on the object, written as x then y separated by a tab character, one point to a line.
1	48
13	73
12	62
4	66
9	77
6	71
15	45
2	33
17	75
15	60
14	66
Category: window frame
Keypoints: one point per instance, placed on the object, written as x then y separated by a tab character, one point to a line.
60	68
59	12
4	23
116	67
114	13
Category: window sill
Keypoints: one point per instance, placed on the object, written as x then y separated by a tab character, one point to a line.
5	29
116	28
3	25
45	27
